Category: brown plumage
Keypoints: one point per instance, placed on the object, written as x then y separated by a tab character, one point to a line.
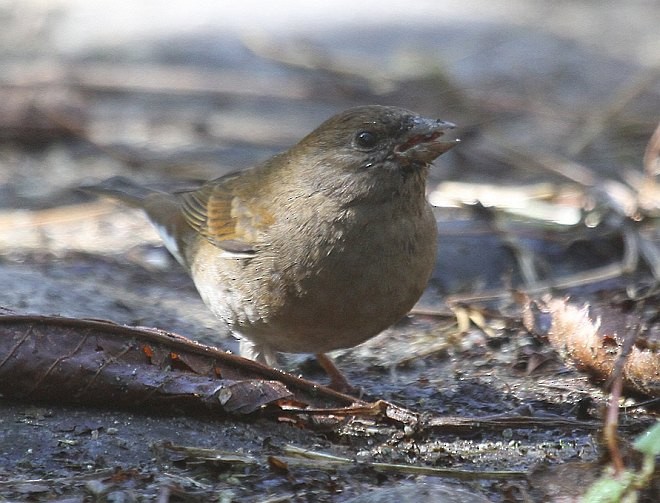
320	247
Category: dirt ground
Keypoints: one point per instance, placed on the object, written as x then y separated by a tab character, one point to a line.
558	95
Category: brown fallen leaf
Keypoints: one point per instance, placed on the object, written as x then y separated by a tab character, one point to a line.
97	362
593	338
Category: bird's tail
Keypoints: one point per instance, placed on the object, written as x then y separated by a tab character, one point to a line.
162	208
121	188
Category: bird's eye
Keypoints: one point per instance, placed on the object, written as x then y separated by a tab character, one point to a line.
366	139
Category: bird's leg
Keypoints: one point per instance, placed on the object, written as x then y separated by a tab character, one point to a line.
265	354
338	380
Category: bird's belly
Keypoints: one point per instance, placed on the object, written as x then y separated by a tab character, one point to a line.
302	308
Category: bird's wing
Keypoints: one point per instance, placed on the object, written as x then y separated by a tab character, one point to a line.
225	219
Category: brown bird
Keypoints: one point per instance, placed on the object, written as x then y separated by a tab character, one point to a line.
319	248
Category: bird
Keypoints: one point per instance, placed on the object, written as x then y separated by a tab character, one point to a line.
318	248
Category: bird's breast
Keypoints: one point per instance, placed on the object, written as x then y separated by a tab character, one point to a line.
322	285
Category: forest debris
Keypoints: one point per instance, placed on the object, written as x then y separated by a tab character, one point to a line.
217	455
500	422
96	362
91	362
298	456
610	436
96	474
592	338
293	456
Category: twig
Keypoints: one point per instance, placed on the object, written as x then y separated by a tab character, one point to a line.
106	472
314	458
543	161
612	416
298	457
599	122
611	423
652	154
313	57
25	219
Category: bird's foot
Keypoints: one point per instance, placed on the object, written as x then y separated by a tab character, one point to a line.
338	380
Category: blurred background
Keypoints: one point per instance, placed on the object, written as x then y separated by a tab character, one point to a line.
554	100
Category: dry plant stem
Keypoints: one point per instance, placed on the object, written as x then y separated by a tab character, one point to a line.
611	423
575	280
627	265
305	457
524	258
285	498
311	57
651	254
599	122
527	159
106	472
503	421
612	416
652	154
167	79
297	457
429	351
19	219
186	480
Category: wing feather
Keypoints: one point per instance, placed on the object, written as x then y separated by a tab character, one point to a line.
223	218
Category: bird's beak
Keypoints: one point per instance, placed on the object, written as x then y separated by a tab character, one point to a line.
423	142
